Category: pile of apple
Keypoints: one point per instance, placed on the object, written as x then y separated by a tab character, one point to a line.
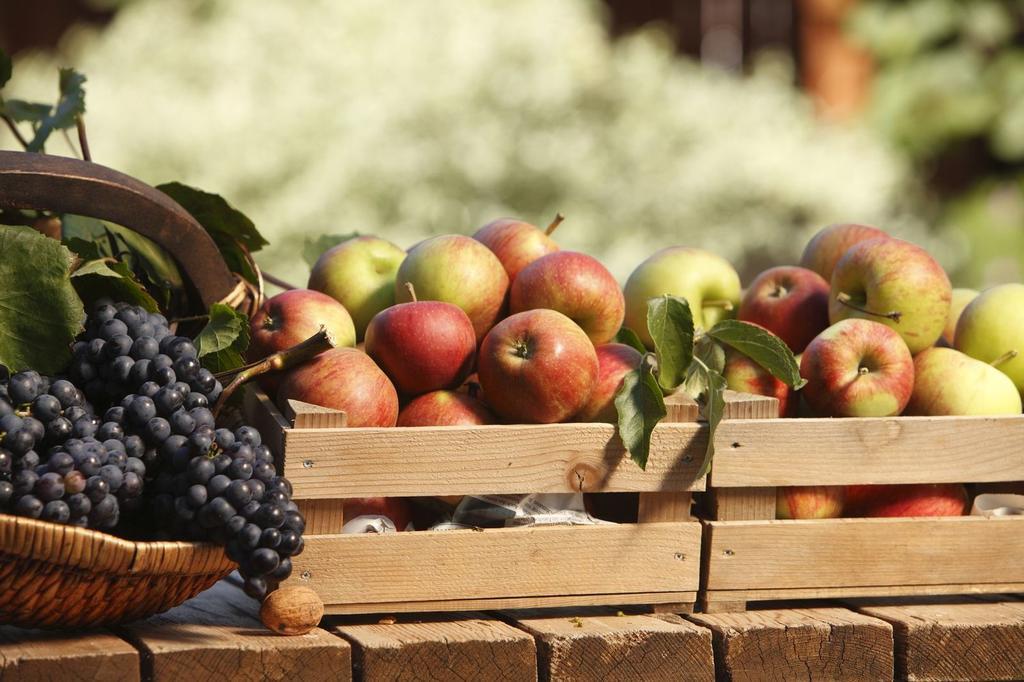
505	327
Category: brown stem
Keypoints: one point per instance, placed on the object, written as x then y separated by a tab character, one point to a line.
412	291
845	299
71	145
723	303
282	359
83	141
14	129
277	282
554	224
1005	357
191	318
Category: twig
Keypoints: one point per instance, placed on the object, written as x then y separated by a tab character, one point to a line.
83	141
191	318
67	138
14	129
277	282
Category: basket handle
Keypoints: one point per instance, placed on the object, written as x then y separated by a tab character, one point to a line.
56	183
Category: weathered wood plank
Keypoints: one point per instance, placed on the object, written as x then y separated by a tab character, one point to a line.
676	602
723	601
95	655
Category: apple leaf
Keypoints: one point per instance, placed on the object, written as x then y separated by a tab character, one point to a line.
640	406
761	346
711	398
6	68
224	339
105	277
710	352
69	107
40	313
628	337
20	110
670	324
313	247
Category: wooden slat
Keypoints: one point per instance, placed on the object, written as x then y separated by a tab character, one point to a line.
785	452
831	645
218	635
97	655
743	504
680	407
473	648
722	600
654	507
261	412
680	602
540	561
752	555
308	416
323	517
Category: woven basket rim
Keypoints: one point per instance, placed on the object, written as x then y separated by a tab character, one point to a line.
97	552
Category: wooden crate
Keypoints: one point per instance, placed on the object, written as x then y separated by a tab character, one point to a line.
655	561
749	556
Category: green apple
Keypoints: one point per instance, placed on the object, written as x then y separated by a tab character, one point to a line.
991	329
961	297
896	283
360	274
948	382
707	281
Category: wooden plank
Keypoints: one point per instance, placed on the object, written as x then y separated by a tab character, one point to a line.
808	644
752	555
680	407
98	655
678	602
583	645
539	561
743	504
268	420
323	517
956	641
475	648
782	452
309	416
749	406
723	601
218	635
656	507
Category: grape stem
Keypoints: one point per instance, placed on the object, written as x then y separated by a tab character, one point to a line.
83	141
14	130
283	359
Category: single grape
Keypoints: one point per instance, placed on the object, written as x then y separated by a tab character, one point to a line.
96	488
218	484
65	392
56	511
29	505
157	430
196	496
271	537
79	504
255	587
74	482
263	561
50	486
145	348
46	407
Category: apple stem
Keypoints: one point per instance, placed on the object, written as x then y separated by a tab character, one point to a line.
554	224
649	362
1005	357
863	370
282	359
412	291
723	303
847	300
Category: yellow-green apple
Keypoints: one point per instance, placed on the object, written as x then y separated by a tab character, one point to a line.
360	274
991	329
614	361
895	283
537	366
810	502
959	301
293	316
344	379
422	346
707	281
576	285
790	302
857	368
945	499
948	382
445	408
744	375
459	270
517	243
398	509
826	247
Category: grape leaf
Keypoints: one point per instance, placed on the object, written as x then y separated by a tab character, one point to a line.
6	68
640	406
70	106
40	313
629	337
712	403
224	340
20	110
314	247
761	346
670	324
107	278
82	248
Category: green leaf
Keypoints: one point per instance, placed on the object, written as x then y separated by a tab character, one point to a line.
313	247
40	313
20	110
224	339
629	337
670	324
70	106
82	248
712	403
107	278
710	352
640	406
761	346
6	68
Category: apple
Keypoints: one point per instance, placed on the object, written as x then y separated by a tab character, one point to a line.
293	316
959	301
517	243
857	368
422	346
744	375
945	499
895	283
537	366
707	281
398	509
344	379
788	301
826	247
948	382
576	285
614	361
445	408
360	274
458	270
810	502
991	329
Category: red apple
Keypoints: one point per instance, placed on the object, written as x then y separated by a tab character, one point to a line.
826	248
788	301
445	408
293	316
397	509
422	346
517	243
809	502
947	499
537	366
344	379
576	285
744	375
614	360
857	368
